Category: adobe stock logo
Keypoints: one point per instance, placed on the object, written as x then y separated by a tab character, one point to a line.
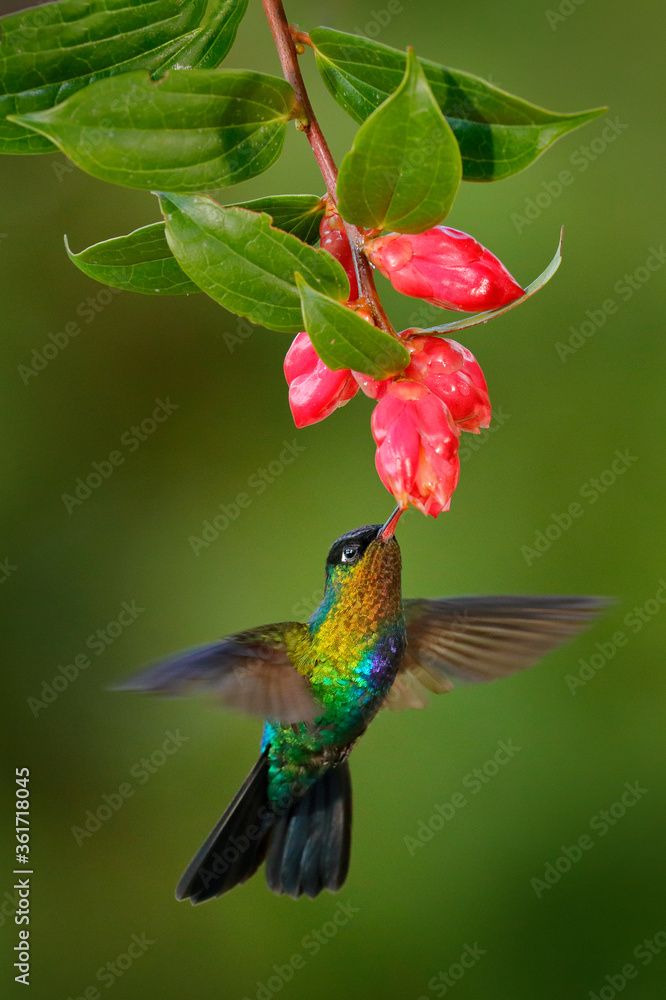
601	823
645	952
625	288
380	19
591	491
130	440
474	781
634	622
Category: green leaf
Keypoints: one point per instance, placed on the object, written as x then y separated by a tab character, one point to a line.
210	44
142	261
483	317
190	131
299	214
139	262
342	339
498	134
404	168
245	264
47	53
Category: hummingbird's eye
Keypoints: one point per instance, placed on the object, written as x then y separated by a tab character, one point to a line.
349	554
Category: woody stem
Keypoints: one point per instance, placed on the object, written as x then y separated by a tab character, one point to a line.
286	48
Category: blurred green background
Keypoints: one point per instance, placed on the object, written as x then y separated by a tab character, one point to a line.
560	422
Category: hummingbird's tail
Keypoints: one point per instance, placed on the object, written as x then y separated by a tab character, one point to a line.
236	846
309	846
306	844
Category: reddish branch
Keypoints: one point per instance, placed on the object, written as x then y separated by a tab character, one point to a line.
286	48
284	36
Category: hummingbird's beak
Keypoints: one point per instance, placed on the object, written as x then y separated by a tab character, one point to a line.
388	530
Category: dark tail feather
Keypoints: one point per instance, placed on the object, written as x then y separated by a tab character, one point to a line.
308	844
236	847
308	848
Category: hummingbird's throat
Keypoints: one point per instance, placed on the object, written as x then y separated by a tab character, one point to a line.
368	596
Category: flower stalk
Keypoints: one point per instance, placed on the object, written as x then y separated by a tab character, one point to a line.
285	41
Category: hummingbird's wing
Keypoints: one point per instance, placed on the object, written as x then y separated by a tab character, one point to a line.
251	671
468	640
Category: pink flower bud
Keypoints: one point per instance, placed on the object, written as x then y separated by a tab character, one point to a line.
334	239
417	447
432	356
470	366
314	390
445	267
450	371
370	386
453	374
429	354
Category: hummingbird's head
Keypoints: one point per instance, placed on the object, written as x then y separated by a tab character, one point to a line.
366	562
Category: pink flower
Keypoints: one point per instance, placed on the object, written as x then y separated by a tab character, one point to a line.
370	386
450	371
334	239
445	267
453	374
314	390
417	447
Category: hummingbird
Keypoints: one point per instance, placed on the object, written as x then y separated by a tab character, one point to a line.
319	684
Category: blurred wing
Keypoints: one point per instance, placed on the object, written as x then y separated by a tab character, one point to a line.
468	640
250	671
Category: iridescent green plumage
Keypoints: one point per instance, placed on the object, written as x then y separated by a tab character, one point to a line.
349	654
319	684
